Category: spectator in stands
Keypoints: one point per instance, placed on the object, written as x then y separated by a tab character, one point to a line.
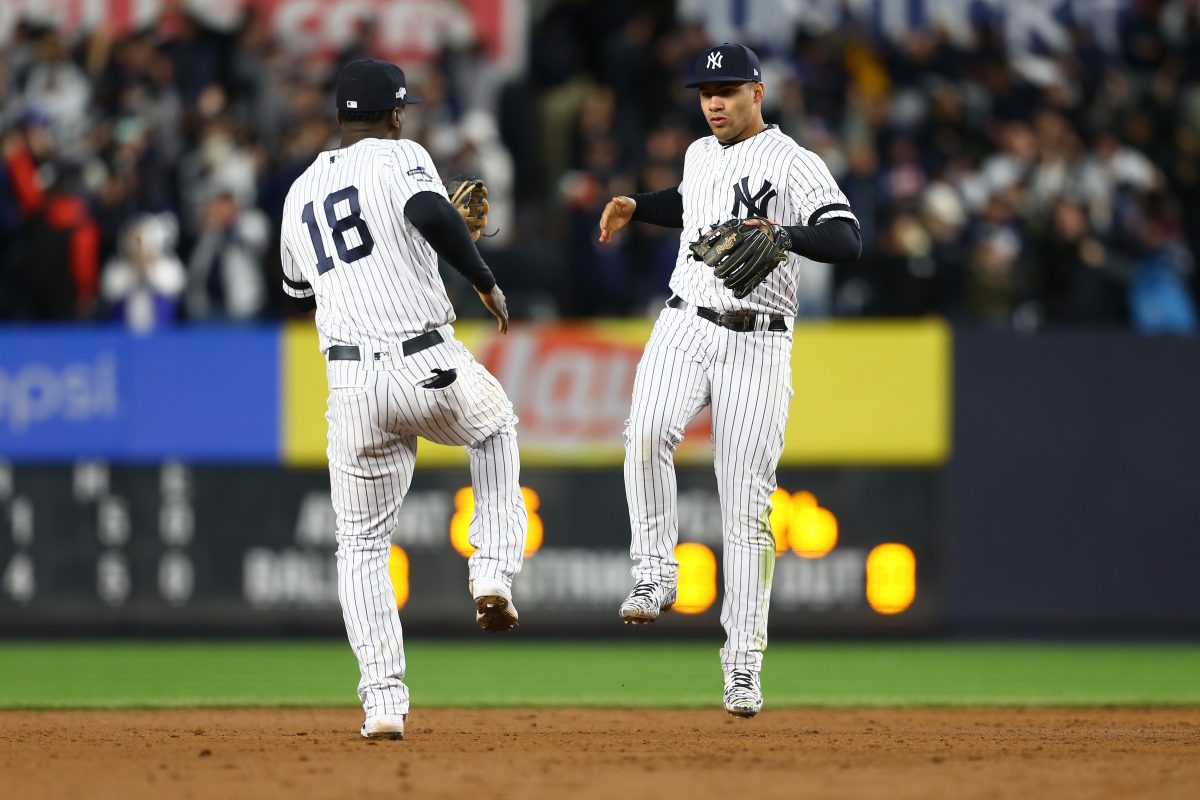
199	55
220	161
141	287
1077	281
996	283
56	87
52	254
226	279
1159	299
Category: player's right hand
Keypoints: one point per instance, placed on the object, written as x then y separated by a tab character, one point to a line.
617	215
494	301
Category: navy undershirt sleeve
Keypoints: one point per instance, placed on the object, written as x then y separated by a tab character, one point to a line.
446	231
305	303
834	241
663	208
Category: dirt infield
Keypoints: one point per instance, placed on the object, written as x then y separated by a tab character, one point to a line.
608	754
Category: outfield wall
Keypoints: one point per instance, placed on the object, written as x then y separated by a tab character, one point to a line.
974	483
251	548
1073	496
178	482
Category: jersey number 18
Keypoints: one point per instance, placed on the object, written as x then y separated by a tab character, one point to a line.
352	221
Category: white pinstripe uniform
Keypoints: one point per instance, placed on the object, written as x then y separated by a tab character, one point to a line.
690	363
345	239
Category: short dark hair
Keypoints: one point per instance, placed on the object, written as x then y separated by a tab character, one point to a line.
346	115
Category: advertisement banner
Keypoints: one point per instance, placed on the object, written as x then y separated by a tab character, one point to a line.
865	393
202	394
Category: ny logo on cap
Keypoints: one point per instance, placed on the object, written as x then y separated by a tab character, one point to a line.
714	59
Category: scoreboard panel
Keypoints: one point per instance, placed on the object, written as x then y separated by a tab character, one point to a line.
95	547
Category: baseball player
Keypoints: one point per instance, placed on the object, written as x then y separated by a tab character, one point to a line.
362	231
751	202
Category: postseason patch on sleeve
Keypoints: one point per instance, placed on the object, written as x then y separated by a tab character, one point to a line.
419	174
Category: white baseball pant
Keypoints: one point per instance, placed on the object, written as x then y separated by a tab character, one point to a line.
376	412
690	363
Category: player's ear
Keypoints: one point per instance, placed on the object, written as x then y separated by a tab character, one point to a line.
760	90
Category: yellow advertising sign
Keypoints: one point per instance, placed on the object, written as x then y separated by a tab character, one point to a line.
865	393
303	395
875	392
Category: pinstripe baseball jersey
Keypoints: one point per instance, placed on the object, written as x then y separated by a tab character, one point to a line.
345	239
767	175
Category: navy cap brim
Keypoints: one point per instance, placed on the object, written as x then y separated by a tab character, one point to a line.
409	99
718	79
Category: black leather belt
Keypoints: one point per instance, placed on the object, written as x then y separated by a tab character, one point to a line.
350	352
740	321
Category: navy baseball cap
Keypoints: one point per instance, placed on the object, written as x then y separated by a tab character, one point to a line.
726	63
372	85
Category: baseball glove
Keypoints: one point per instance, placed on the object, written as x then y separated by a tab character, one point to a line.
469	196
741	255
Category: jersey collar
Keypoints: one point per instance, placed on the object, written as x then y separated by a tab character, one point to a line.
770	126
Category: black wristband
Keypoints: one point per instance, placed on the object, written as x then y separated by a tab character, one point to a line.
782	237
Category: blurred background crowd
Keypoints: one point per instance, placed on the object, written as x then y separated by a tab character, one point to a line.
144	171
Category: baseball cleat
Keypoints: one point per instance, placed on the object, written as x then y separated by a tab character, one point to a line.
384	726
743	695
495	613
646	602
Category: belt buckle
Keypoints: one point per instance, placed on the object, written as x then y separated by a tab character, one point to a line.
740	321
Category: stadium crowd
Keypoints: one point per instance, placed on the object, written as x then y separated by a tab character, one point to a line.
143	175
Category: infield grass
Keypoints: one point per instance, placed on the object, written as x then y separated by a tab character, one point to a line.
491	672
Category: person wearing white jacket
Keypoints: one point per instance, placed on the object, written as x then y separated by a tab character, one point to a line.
142	284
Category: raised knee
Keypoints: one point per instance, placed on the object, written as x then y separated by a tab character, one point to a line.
646	438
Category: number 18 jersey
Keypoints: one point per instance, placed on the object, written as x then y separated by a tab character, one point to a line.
346	241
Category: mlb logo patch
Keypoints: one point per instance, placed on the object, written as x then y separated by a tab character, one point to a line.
351	104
